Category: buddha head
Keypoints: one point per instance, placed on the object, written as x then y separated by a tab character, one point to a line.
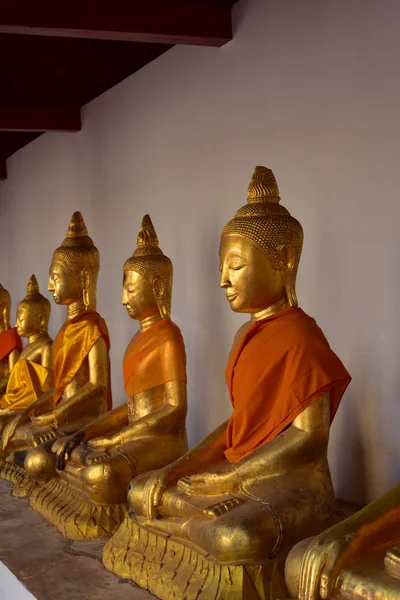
75	267
147	284
33	311
260	249
5	308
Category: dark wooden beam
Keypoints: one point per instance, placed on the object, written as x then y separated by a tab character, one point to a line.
153	21
39	118
3	169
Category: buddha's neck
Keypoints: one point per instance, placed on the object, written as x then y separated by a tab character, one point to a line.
36	336
271	310
77	308
148	322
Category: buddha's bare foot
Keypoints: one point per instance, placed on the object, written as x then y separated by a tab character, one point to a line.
43	435
101	457
216	510
212	483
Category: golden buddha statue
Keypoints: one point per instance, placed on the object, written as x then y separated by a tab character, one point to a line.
80	351
95	465
32	374
10	342
357	559
216	522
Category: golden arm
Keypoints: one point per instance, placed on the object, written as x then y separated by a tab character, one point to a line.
161	418
374	527
98	381
305	439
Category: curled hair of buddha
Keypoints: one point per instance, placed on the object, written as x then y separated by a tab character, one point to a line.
36	304
77	251
268	224
5	298
150	262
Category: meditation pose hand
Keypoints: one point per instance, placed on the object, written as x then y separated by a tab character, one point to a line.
348	560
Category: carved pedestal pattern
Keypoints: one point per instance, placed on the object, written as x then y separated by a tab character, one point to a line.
73	515
174	570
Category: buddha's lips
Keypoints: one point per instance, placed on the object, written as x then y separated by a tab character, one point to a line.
231	297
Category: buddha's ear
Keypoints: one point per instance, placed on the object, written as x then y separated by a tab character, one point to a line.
5	315
85	278
158	287
287	256
42	323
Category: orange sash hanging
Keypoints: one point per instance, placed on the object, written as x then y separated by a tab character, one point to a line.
72	345
9	340
280	367
154	357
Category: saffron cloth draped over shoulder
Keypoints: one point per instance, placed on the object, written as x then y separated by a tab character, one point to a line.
9	341
160	353
72	345
280	367
28	381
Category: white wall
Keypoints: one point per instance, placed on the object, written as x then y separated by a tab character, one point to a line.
11	588
310	88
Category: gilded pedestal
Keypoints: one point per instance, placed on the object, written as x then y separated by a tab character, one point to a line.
171	569
74	516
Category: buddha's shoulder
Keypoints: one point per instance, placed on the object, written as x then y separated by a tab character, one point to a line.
172	334
298	329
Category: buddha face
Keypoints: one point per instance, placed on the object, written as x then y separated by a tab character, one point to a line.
26	324
250	281
64	285
138	296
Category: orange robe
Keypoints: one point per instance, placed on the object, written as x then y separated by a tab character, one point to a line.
72	345
9	341
154	357
27	382
280	367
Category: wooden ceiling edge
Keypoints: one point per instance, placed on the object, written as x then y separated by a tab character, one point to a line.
40	118
3	169
123	20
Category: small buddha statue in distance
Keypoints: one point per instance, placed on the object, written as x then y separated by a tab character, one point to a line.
32	374
10	342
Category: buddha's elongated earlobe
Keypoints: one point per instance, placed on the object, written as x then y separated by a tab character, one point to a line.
288	260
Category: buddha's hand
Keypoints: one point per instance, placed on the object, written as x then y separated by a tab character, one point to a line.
5	412
64	446
9	432
153	491
322	563
211	483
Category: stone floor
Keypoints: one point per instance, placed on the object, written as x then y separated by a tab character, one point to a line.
50	566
